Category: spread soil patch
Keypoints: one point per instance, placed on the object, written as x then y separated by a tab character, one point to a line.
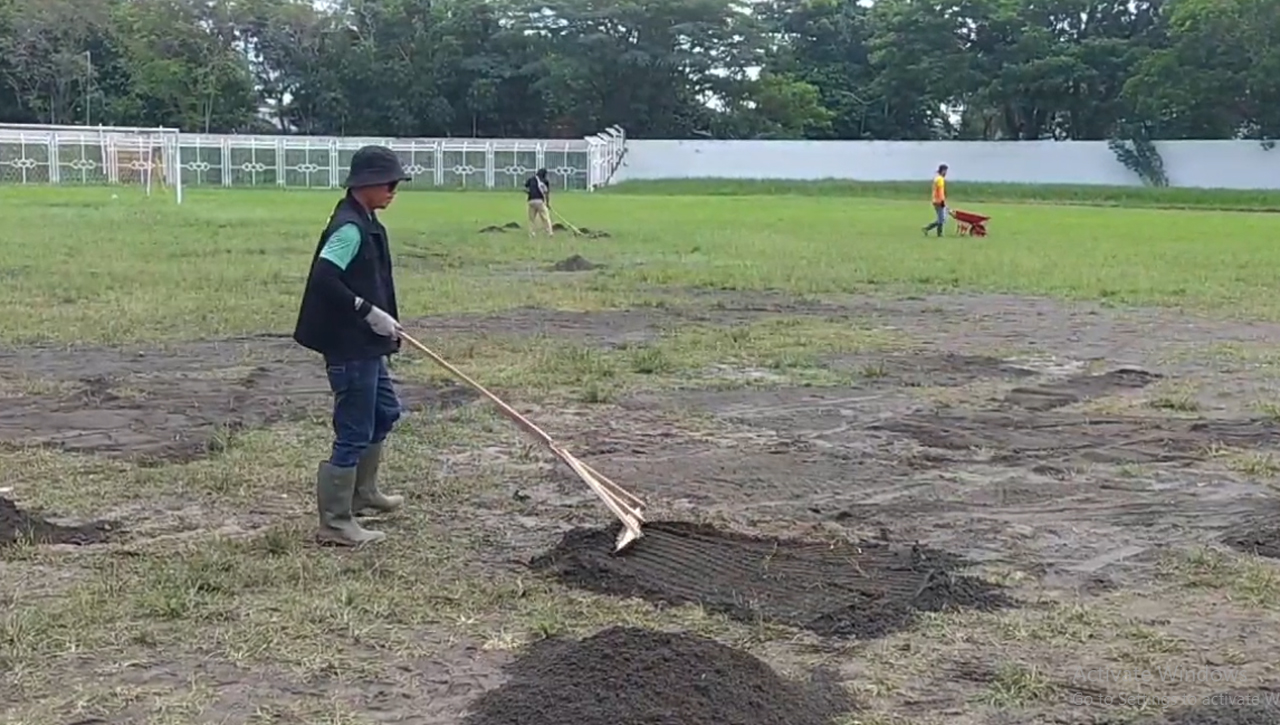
172	407
17	525
1079	389
865	590
632	676
1009	438
576	263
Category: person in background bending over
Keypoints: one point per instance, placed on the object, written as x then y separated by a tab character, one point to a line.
939	201
539	202
349	315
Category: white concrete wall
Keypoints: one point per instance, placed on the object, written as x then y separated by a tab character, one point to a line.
1205	164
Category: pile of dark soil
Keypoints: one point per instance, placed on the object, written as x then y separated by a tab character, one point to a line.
631	676
17	525
866	590
576	263
1260	541
493	229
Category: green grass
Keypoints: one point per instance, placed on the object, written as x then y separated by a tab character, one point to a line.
225	262
963	192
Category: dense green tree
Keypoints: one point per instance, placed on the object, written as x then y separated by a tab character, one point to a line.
827	69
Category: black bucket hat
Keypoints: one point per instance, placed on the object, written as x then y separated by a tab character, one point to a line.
374	166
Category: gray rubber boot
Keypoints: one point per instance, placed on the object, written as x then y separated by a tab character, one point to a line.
367	498
334	490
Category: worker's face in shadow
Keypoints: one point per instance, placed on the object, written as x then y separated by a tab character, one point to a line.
378	197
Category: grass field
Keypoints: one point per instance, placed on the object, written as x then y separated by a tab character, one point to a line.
1082	408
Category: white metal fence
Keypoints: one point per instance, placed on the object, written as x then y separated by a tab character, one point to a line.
79	155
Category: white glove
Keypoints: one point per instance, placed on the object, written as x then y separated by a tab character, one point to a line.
382	323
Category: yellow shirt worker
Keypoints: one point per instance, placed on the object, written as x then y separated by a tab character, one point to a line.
939	201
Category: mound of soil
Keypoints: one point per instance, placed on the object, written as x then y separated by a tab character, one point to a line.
632	676
866	590
576	263
582	231
494	229
1262	541
17	525
1079	388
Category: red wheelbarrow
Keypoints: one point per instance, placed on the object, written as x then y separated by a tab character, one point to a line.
970	224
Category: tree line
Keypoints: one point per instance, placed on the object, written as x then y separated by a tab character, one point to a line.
818	69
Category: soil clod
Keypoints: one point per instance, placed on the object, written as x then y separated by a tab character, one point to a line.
866	590
17	525
594	233
576	263
633	676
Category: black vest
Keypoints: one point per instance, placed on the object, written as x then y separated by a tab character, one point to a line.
338	331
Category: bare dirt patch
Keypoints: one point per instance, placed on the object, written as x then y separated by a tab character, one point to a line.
179	405
17	525
1014	439
865	590
637	676
1079	388
929	369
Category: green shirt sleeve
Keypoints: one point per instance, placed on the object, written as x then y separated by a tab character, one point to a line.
342	245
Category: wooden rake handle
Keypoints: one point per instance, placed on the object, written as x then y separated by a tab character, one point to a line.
527	426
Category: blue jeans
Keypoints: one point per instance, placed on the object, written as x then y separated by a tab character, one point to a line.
365	407
942	215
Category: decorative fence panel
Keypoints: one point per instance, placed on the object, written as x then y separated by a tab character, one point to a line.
80	155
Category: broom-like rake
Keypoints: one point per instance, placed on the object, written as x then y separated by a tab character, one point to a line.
622	504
